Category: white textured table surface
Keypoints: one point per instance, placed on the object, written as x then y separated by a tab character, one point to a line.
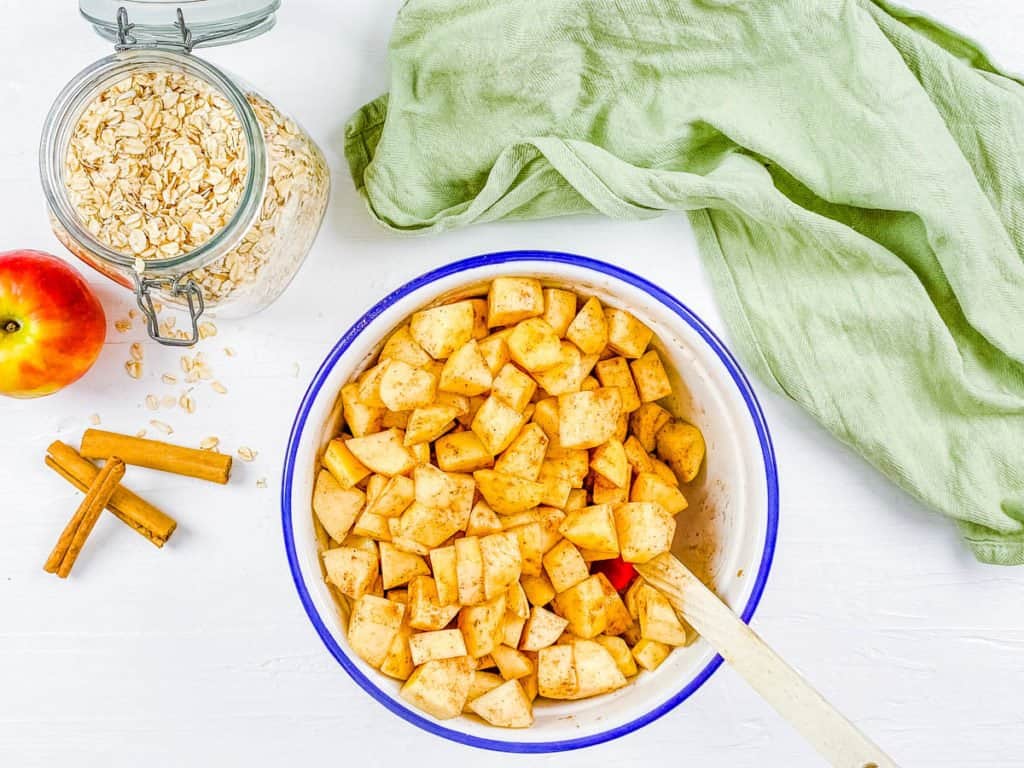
200	654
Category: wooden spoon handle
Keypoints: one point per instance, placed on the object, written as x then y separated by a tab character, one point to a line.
835	737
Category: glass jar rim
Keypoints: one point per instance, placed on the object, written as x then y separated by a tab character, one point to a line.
64	115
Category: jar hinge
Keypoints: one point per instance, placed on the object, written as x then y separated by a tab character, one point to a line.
179	287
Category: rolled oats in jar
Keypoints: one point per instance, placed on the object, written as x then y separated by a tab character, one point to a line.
176	180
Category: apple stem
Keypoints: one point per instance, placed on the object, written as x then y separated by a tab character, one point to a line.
12	326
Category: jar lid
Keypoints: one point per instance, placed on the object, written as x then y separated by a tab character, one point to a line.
180	25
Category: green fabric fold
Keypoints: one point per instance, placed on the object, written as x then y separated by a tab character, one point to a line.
854	173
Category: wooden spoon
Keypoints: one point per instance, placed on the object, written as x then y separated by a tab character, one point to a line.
835	737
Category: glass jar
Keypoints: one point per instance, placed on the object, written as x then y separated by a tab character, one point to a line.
246	263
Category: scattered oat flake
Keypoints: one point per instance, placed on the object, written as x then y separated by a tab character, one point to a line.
187	404
229	351
169	378
209	443
168	401
140	264
152	402
134	368
132	314
161	426
158	307
94	419
123	326
261	483
206	330
246	454
136	351
219	388
186	363
141	433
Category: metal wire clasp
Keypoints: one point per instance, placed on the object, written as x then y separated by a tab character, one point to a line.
179	287
126	40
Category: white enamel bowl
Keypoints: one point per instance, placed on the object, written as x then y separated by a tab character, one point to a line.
738	488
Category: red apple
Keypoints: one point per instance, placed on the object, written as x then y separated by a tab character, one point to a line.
52	325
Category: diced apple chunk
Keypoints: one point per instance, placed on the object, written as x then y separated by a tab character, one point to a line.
462	452
351	570
525	454
440	688
446	575
398	567
646	421
534	345
336	507
372	626
644	529
502	562
402	346
469	566
682	446
508	494
466	371
588	419
481	625
596	670
511	663
583	606
650	487
496	424
542	629
426	609
362	419
507	706
437	644
614	372
343	464
592	528
383	452
652	381
559	309
565	566
649	654
556	672
512	299
442	330
589	329
609	460
626	335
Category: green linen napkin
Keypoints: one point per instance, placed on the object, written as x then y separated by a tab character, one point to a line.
854	172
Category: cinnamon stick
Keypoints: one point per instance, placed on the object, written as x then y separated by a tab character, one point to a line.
131	509
154	454
72	539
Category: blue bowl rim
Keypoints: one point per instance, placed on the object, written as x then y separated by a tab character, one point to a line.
490	259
